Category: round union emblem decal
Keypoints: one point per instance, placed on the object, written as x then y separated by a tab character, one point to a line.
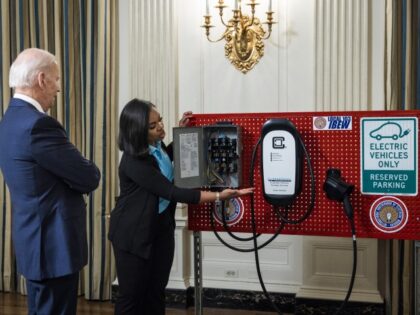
388	214
234	210
320	122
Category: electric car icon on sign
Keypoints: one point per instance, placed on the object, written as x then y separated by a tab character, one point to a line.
390	130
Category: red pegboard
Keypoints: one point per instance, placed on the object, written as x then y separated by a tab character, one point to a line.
328	149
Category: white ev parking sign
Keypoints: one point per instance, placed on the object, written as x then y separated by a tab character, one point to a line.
389	155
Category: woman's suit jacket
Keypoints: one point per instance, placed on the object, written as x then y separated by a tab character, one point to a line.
134	218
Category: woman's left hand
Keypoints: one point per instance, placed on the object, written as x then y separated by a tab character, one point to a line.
185	120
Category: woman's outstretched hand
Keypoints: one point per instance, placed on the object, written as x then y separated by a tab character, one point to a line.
232	193
211	196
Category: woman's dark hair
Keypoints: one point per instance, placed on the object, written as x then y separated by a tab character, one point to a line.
134	127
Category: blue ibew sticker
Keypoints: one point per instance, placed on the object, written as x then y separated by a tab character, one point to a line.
332	123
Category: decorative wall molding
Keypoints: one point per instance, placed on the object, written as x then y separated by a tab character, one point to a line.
328	267
281	264
342	75
180	272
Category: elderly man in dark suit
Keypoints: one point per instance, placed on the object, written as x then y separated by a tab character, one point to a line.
47	177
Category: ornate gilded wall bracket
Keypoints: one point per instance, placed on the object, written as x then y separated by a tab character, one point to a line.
244	34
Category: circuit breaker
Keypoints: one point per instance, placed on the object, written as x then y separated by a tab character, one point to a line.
208	156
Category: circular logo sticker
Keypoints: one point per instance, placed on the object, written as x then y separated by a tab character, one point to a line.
388	214
320	122
234	210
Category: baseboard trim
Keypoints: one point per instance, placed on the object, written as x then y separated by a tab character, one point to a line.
320	307
247	300
256	301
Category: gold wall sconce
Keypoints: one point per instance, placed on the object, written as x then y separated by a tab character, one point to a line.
244	33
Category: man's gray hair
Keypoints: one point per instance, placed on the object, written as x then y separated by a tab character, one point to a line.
28	64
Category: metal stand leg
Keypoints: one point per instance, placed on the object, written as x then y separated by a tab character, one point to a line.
417	277
198	276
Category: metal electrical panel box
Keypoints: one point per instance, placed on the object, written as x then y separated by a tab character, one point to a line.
208	156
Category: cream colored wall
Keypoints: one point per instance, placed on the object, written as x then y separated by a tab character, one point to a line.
322	55
209	83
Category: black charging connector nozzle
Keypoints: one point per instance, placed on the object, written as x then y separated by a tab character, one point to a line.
337	189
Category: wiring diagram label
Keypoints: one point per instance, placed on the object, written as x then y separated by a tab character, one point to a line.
389	154
189	161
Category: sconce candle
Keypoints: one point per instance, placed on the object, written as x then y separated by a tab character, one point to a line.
270	6
207	8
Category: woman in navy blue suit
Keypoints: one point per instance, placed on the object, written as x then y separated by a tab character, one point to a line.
142	223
